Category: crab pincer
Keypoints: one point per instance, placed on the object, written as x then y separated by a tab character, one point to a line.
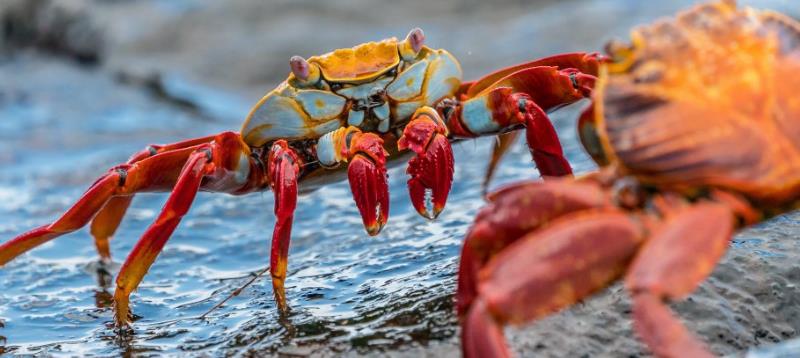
432	168
368	182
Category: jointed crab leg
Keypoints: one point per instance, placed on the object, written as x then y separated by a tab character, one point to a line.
107	220
284	168
513	212
671	265
521	96
121	180
540	247
153	240
222	165
432	167
546	271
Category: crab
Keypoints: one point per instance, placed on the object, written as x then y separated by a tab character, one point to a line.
361	106
695	126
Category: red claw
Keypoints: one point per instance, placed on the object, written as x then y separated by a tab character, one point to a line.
432	168
368	182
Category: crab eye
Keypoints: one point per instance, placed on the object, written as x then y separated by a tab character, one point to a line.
305	72
412	45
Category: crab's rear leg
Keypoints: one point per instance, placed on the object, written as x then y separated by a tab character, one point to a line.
431	170
223	165
152	174
546	271
156	236
513	212
107	220
680	255
501	146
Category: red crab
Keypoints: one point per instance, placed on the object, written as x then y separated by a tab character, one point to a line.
696	127
361	106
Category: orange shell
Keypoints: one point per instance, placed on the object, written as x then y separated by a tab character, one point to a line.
707	99
358	64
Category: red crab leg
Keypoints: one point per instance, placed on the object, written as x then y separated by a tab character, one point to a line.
107	220
284	168
432	167
155	173
513	212
583	62
680	255
520	96
153	240
546	271
216	166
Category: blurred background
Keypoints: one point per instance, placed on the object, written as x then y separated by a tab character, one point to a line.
85	83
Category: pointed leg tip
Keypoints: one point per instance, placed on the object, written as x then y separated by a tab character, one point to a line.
122	312
280	294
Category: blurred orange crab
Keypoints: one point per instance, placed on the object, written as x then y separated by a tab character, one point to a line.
696	127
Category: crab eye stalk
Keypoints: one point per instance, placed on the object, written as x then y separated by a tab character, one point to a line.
413	43
304	72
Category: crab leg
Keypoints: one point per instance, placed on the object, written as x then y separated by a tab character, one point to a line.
155	173
153	240
670	266
511	213
366	171
503	144
223	165
432	167
521	96
107	220
587	63
546	271
284	168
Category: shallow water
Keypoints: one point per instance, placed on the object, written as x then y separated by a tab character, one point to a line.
62	125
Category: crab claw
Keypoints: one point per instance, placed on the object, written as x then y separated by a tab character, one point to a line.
432	168
367	175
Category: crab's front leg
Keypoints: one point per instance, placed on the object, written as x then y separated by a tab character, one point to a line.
283	171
